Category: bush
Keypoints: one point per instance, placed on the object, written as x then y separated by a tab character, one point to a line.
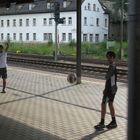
72	43
50	43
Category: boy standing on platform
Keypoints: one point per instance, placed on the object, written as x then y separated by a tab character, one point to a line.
109	93
3	64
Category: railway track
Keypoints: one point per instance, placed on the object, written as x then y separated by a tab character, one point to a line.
90	70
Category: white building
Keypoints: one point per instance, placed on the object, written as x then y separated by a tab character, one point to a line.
32	22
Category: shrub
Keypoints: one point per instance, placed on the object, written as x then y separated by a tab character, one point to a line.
50	42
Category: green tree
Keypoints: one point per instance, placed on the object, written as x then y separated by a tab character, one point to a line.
117	7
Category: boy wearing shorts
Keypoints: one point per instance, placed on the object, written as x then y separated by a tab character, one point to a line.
109	93
3	64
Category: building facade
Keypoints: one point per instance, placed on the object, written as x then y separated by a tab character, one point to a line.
33	22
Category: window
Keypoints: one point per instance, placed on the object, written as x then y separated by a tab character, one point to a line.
64	19
2	23
14	22
91	21
34	36
94	7
85	8
96	37
98	9
20	22
31	6
63	36
19	7
70	21
49	36
14	36
34	21
45	36
44	21
8	23
97	21
48	5
27	22
50	21
64	4
106	23
2	36
105	36
84	37
91	37
27	36
70	36
20	37
85	20
89	6
8	36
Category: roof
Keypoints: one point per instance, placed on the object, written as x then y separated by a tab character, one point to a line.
41	6
105	7
38	6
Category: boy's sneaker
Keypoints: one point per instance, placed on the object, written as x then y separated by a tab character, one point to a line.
111	125
3	91
99	126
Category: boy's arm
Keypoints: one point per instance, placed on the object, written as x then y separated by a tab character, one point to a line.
110	72
7	44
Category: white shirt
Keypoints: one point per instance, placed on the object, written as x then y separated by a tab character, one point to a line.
3	59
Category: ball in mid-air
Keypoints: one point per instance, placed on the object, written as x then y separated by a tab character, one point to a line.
71	78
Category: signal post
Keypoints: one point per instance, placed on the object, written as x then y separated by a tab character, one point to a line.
57	20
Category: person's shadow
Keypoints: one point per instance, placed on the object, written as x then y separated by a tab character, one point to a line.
94	134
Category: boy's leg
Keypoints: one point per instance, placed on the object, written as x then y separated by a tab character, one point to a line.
103	110
4	77
113	123
101	125
4	85
112	110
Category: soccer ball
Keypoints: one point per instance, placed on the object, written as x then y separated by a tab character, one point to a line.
71	78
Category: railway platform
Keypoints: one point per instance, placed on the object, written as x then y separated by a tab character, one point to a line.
41	105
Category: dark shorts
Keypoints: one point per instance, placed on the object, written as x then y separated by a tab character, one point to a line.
3	73
108	98
109	94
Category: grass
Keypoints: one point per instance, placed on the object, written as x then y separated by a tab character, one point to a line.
91	50
31	48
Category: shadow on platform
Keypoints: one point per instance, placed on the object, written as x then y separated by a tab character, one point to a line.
94	134
13	130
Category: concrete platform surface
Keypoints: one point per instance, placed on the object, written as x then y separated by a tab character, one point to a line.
41	105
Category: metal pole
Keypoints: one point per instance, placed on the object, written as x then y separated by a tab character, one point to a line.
133	70
78	69
121	32
56	43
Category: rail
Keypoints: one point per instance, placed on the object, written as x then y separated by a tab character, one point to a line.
94	70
